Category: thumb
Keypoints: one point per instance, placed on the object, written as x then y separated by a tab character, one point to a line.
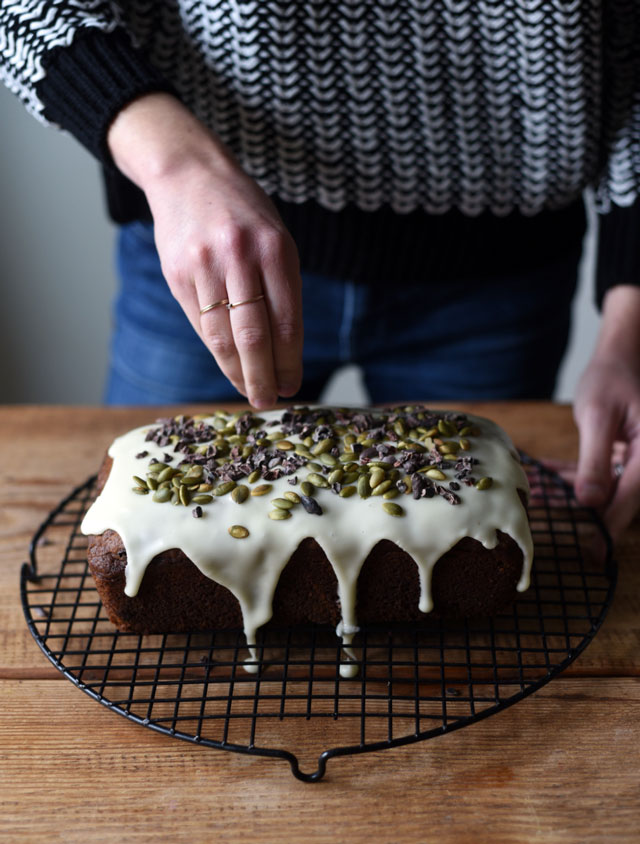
597	425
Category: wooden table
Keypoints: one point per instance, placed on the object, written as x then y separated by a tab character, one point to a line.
561	766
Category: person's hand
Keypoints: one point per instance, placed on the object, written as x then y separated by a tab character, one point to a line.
220	240
607	413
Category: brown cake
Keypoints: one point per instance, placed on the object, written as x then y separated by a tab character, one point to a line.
325	515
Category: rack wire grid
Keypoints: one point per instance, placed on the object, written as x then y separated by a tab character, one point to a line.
414	683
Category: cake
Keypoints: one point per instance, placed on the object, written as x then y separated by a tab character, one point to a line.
339	516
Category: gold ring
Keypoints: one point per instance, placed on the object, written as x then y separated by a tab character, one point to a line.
217	304
245	301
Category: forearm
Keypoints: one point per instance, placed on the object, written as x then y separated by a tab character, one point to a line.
619	335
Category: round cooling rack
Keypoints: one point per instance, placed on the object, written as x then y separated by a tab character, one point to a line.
414	683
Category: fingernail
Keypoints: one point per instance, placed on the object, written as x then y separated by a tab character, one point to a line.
287	389
263	404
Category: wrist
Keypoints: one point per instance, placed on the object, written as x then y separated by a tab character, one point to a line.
619	335
156	137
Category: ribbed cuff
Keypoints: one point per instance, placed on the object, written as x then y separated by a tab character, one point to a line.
89	82
618	260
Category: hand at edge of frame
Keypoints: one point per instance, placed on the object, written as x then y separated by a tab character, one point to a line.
607	413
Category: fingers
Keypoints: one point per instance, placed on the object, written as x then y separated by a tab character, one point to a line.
283	286
254	329
598	425
625	502
215	329
251	331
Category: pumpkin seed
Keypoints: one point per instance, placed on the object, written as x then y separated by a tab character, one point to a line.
254	476
202	498
464	444
278	515
162	495
400	428
292	496
322	447
263	489
307	488
224	488
205	487
335	477
140	490
466	431
328	460
347	491
446	428
318	480
275	435
382	488
392	508
376	477
285	445
364	487
436	474
282	503
484	483
238	531
165	474
240	493
391	493
152	482
142	484
185	495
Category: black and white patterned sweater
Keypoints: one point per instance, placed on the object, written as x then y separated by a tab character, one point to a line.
398	137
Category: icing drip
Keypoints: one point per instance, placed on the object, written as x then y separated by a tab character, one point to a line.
347	531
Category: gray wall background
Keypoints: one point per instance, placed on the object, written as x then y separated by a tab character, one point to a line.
58	278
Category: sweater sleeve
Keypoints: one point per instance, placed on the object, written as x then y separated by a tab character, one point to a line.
618	189
73	65
618	257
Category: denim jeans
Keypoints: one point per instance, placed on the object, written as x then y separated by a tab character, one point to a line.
496	338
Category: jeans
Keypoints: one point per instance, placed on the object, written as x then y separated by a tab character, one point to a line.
496	338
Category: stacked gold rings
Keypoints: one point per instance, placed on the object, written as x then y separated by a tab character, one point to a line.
229	304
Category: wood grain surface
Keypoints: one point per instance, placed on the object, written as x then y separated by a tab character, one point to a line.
560	766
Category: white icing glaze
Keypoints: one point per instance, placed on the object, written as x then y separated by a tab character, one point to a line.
350	527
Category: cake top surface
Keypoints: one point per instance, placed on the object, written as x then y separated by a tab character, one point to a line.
238	492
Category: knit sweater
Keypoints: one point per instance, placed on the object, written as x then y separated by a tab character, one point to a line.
399	138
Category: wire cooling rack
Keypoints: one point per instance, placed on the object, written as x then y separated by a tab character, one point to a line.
414	682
